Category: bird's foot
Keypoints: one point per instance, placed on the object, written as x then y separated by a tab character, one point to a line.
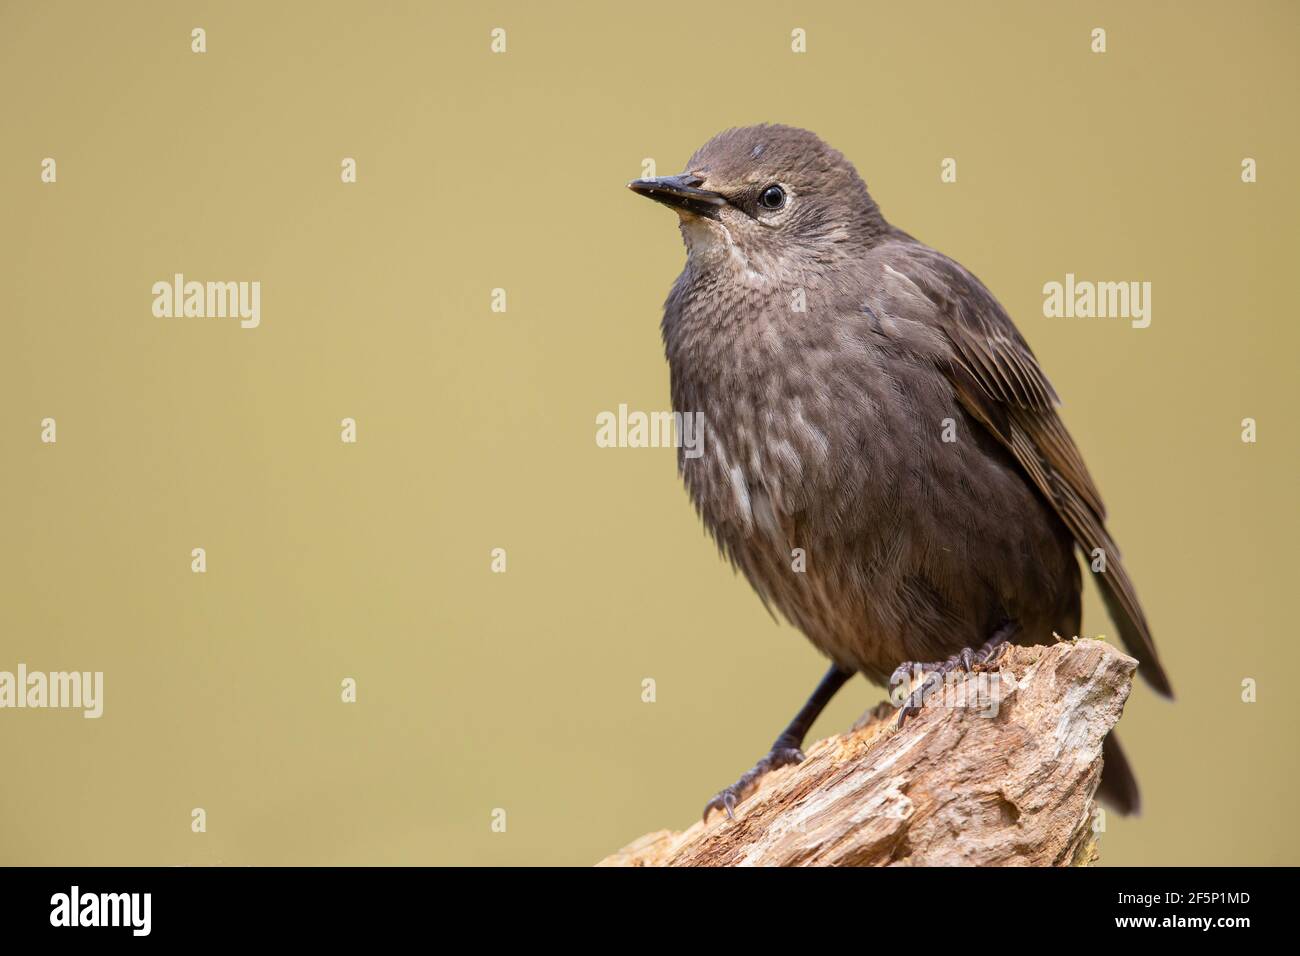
935	673
781	755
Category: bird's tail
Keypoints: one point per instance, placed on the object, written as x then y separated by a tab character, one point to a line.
1118	787
1121	601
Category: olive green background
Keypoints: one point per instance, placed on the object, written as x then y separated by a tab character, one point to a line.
476	430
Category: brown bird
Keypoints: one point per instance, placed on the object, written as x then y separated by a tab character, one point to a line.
883	458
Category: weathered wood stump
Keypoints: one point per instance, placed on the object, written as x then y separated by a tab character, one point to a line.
999	769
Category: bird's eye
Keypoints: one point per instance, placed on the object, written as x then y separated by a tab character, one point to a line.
773	197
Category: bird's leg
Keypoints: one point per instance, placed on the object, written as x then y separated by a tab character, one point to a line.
966	659
785	749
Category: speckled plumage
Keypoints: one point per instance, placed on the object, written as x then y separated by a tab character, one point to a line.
824	428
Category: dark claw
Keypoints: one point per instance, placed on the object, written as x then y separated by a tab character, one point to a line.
966	659
727	799
902	673
915	700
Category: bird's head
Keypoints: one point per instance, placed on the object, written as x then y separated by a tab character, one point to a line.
771	201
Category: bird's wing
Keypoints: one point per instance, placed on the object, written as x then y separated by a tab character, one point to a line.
999	382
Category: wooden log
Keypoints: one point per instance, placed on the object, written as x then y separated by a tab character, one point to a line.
1000	768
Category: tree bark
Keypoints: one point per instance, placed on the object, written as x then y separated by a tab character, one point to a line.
999	769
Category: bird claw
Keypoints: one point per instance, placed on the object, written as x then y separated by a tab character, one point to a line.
902	673
916	700
965	660
727	798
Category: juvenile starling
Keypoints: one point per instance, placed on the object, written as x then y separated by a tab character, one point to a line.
870	406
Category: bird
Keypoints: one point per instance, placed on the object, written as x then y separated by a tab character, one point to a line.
883	461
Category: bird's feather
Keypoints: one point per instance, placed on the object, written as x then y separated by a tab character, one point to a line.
999	381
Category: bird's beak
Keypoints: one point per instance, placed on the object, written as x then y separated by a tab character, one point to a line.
681	193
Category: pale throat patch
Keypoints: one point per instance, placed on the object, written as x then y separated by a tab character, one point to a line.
709	243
